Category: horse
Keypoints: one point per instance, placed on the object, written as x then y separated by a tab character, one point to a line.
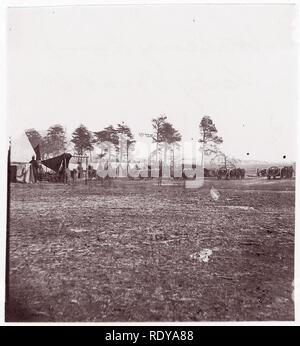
240	173
223	172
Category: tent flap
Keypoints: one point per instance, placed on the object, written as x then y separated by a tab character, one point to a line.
56	162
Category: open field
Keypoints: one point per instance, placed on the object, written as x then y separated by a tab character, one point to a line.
123	253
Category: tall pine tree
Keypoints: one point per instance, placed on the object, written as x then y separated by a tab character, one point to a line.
55	140
83	140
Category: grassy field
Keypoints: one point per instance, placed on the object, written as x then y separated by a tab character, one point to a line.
130	252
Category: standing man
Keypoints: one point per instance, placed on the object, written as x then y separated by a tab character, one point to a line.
80	170
34	167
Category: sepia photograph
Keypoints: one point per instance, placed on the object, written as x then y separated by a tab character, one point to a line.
151	159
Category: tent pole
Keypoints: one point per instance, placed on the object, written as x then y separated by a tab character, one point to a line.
7	259
86	170
65	172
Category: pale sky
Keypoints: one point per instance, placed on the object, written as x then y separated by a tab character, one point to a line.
107	64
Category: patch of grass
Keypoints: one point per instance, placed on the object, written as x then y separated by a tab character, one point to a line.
122	253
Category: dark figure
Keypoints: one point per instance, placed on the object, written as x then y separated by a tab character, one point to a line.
80	171
35	168
290	171
159	173
74	174
149	171
90	171
286	172
242	173
41	172
233	173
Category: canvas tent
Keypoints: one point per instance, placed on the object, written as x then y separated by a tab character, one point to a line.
20	155
21	150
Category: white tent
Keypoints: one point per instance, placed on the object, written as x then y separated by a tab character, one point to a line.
21	150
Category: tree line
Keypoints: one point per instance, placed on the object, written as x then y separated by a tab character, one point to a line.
54	142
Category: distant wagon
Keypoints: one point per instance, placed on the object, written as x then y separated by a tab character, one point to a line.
273	172
285	172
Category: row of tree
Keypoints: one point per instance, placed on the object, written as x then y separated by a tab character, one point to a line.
51	144
55	142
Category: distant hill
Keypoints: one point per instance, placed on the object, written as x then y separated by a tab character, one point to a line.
265	163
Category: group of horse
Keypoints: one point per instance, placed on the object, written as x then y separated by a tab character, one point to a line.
274	172
230	173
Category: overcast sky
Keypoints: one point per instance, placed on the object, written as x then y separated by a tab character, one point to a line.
107	64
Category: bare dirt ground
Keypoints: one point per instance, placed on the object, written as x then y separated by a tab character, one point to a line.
130	252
